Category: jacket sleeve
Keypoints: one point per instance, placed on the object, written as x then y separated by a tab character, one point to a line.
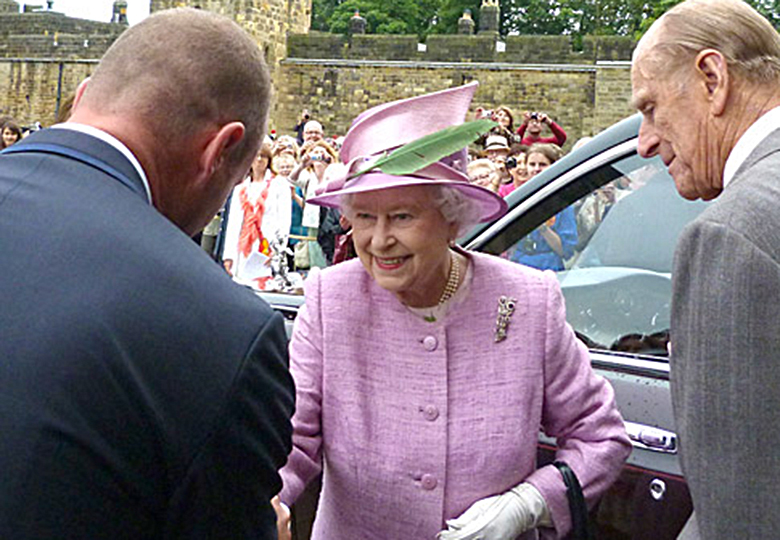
305	461
579	410
560	135
724	376
227	488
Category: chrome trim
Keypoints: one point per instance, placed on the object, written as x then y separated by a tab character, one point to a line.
657	489
569	176
288	312
623	363
651	438
643	437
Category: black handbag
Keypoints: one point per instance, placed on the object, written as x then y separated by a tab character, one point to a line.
580	523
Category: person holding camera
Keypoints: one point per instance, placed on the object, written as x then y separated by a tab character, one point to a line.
299	127
309	175
516	166
505	128
530	131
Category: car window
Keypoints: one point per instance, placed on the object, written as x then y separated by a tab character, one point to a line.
612	251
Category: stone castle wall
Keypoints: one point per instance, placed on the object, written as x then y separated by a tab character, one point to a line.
460	48
33	89
53	35
268	21
44	55
582	99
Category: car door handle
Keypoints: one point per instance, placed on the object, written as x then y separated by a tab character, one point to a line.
652	438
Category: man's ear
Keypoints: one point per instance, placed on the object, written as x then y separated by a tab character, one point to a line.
218	147
712	69
80	92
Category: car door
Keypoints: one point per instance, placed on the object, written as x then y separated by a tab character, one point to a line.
617	286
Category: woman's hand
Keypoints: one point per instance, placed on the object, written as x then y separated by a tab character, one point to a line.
282	519
500	517
552	239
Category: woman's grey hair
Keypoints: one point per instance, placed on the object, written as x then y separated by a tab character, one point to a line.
457	208
748	42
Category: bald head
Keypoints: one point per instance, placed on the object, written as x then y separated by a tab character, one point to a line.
188	92
183	69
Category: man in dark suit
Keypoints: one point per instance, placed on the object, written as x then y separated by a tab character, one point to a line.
706	78
142	393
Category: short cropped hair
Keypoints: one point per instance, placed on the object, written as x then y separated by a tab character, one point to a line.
185	69
748	42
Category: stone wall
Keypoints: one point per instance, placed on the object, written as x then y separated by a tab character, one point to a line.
33	89
583	99
44	55
53	35
9	6
269	21
460	48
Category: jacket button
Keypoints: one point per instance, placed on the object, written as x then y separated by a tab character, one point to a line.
430	343
431	413
429	482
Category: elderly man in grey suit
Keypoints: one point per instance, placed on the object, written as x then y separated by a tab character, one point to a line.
706	78
143	394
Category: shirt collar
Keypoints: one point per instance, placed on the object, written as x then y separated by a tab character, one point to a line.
116	143
749	141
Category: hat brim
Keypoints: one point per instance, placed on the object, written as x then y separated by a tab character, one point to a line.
491	205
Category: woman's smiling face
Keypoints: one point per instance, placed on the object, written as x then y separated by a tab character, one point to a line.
402	239
9	136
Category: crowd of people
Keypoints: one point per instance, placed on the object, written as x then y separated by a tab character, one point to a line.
271	211
143	394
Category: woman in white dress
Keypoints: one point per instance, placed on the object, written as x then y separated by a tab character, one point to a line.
260	212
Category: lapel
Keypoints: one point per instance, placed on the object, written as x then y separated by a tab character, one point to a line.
102	155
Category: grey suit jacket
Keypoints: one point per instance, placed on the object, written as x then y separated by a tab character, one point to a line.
725	363
142	393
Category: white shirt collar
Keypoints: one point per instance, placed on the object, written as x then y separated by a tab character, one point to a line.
116	143
749	141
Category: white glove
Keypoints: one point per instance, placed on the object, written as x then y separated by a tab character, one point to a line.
500	517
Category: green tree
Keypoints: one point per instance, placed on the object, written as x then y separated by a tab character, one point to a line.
382	17
450	11
546	17
321	12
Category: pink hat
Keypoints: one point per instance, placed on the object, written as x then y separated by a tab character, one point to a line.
388	126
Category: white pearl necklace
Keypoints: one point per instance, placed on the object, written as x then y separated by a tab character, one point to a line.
453	280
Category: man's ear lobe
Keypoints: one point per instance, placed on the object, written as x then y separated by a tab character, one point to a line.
219	146
713	71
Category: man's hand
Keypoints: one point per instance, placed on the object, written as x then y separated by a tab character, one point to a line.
228	264
283	528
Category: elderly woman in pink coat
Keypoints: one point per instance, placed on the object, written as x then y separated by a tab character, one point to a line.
424	372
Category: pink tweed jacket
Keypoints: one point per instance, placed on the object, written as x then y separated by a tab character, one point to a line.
411	421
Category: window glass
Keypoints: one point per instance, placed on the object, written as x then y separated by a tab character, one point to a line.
612	250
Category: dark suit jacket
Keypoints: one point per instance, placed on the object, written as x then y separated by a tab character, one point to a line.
726	354
142	393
